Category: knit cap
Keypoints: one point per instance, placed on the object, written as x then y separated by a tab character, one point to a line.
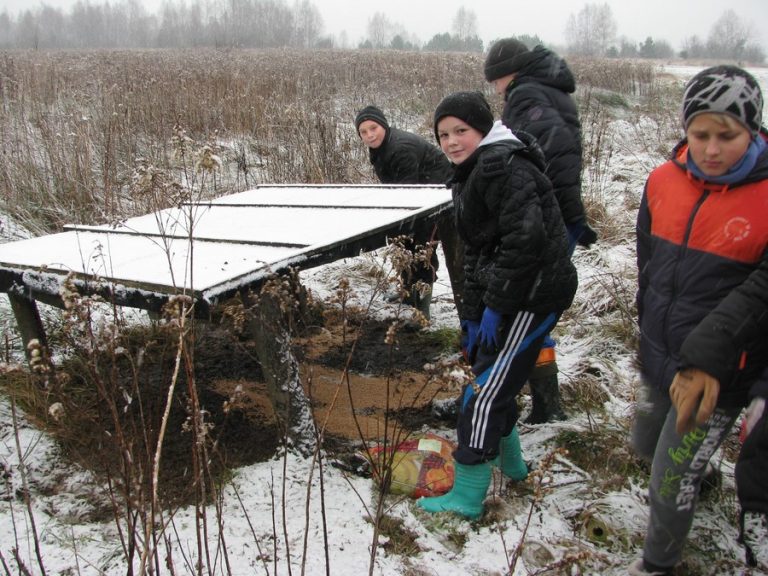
371	113
471	107
505	57
724	89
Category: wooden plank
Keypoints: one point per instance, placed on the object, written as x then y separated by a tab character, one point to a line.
215	249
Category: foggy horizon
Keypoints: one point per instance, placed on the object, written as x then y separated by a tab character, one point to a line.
549	20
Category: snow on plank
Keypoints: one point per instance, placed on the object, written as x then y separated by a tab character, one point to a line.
212	249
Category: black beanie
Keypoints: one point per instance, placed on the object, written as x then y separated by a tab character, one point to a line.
504	58
724	89
471	107
371	113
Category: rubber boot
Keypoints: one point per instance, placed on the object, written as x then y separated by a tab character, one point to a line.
545	390
470	485
422	298
510	459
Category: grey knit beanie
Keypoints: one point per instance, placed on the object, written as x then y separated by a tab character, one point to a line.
727	90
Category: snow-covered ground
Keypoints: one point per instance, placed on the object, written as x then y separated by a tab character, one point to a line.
261	539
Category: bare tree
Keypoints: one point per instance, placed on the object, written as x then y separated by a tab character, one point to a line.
27	31
140	24
6	30
87	24
171	32
380	30
693	47
309	24
728	37
592	31
465	24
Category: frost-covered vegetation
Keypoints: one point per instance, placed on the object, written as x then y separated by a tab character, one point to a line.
89	483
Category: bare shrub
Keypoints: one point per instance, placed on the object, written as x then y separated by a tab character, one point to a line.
627	77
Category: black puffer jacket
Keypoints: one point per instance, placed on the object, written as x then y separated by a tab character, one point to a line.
702	255
516	247
538	101
405	158
752	469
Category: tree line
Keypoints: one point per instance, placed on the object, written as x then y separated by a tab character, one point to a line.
592	31
127	24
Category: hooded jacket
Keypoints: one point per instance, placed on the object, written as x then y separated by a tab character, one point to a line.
405	158
516	247
702	256
538	101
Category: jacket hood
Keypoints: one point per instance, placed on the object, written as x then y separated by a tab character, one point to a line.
498	133
544	66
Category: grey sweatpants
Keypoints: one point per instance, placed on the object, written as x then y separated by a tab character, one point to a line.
677	469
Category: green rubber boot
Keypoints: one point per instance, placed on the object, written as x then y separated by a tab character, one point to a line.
510	458
421	297
470	485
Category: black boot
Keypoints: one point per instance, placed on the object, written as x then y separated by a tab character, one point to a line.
545	396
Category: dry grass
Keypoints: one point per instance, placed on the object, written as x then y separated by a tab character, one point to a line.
75	125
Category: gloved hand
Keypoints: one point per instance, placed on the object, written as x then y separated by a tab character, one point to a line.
581	233
692	388
469	329
588	236
489	325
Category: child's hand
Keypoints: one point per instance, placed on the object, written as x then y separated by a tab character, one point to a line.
489	326
691	388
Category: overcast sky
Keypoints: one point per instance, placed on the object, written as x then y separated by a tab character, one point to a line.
670	20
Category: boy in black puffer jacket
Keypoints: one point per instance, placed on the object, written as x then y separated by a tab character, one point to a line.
518	280
399	157
537	86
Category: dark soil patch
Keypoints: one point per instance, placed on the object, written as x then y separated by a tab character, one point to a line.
385	388
410	349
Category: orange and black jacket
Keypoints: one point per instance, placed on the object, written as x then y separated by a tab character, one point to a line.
702	255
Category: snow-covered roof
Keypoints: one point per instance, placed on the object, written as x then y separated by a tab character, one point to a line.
212	249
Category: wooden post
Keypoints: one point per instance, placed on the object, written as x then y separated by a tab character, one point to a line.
29	323
270	327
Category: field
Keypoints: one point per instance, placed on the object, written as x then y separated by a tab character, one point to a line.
101	136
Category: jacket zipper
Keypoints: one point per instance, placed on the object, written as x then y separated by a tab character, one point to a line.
677	271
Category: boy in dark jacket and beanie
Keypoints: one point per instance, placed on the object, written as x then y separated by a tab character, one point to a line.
518	280
399	157
702	255
537	86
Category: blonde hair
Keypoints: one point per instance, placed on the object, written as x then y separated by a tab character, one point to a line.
721	118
